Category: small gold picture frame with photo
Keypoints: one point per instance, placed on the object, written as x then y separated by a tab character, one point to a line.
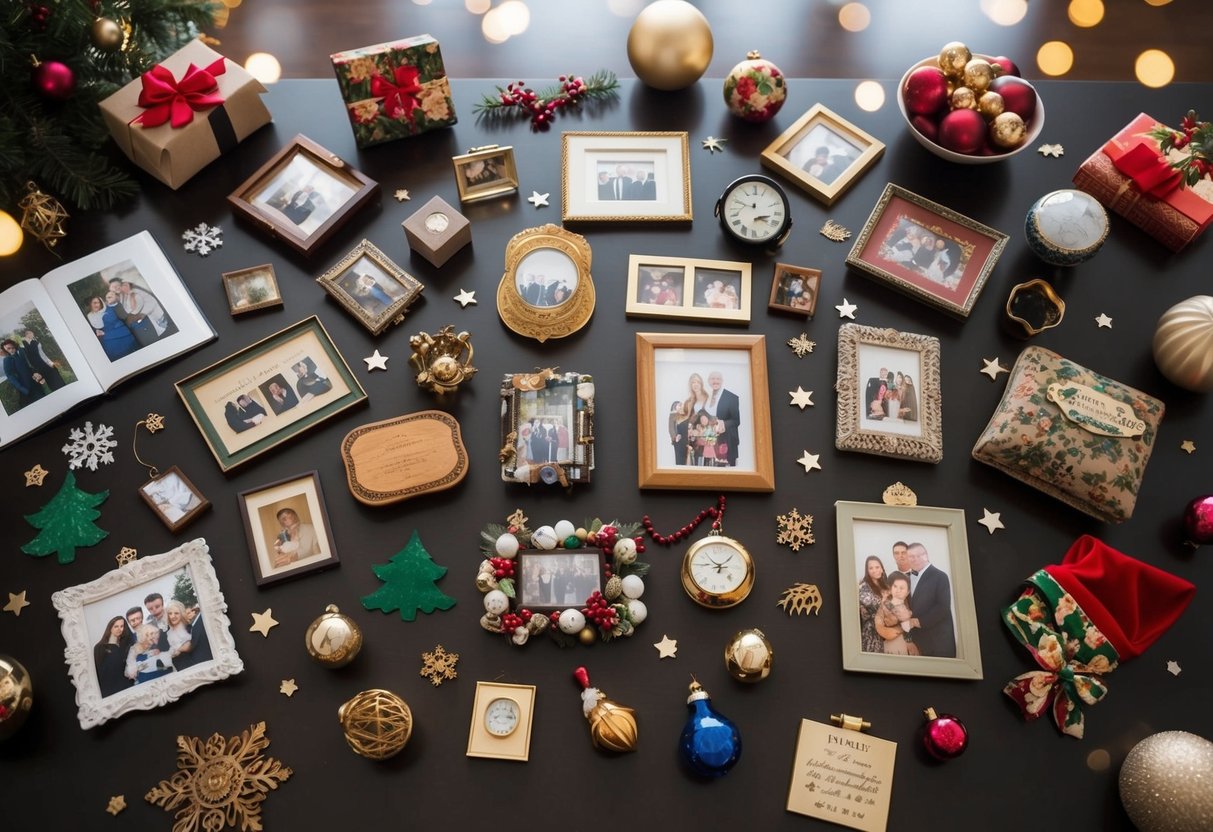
371	287
502	715
547	290
251	289
823	153
794	290
485	172
689	288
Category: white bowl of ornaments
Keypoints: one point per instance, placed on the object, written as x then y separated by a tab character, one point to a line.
970	109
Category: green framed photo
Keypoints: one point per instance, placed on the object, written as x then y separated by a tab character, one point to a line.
270	392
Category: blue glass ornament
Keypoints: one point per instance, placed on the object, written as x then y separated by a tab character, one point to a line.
710	742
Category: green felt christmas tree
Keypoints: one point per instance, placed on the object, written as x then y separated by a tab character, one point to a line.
408	583
66	522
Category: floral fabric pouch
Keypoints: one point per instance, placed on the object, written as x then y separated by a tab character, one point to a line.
1073	434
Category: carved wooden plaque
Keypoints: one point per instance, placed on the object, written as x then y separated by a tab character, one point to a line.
404	457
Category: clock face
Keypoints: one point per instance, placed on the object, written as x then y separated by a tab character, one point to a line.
437	222
754	211
717	572
501	717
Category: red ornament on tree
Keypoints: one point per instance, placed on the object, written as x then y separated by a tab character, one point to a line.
926	91
944	736
1017	96
1198	521
962	131
54	80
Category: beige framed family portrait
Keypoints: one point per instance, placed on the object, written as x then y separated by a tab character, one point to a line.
823	153
688	288
288	528
625	177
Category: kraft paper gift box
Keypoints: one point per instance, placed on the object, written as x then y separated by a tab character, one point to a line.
1131	177
394	90
185	113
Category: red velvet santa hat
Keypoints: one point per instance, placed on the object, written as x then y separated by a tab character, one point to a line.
1131	602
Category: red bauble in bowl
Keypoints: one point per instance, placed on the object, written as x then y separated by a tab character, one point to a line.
925	91
962	131
1018	96
1005	66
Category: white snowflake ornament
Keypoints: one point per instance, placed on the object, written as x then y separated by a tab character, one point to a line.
88	448
203	239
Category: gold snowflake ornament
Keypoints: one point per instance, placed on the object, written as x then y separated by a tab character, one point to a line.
801	599
153	422
438	665
125	555
221	783
795	529
801	345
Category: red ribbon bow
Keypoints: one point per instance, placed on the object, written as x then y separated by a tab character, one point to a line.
165	98
1148	170
399	99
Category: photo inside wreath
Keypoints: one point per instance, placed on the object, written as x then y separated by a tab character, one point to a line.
579	584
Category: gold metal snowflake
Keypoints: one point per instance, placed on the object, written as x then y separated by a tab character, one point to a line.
125	555
801	599
220	783
438	665
833	231
795	529
153	422
801	345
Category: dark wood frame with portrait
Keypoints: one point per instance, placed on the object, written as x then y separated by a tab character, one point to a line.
392	314
520	600
229	277
240	200
186	519
328	563
811	276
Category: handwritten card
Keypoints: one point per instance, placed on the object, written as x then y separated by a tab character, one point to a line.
842	776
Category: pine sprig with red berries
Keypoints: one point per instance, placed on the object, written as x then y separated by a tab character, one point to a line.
543	106
1195	135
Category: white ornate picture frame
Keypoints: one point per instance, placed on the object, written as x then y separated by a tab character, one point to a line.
117	592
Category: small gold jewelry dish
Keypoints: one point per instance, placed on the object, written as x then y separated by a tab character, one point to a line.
1033	307
439	359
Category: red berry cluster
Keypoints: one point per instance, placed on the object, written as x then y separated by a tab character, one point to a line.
715	512
39	15
512	621
1190	125
543	112
600	612
502	568
1197	137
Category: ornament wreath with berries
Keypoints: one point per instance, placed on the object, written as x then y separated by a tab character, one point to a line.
542	107
525	596
1197	138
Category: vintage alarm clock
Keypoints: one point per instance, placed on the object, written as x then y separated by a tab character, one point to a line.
755	210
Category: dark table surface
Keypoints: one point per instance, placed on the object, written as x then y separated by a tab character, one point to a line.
57	776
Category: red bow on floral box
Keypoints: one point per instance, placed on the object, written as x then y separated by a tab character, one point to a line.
185	112
1132	177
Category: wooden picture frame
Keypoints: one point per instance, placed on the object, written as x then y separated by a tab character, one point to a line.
573	575
797	153
946	638
689	288
892	247
547	400
242	419
485	172
516	745
672	454
540	263
251	289
275	556
601	177
378	294
98	669
902	419
794	290
276	198
163	494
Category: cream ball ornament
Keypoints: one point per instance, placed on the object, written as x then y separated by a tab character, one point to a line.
544	538
625	550
506	546
571	622
670	45
1164	783
564	529
496	602
1183	344
637	611
633	586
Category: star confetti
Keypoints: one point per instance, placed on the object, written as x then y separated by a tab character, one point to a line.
117	804
1173	668
1054	150
263	622
993	368
35	476
464	298
126	555
16	603
288	688
376	362
846	309
438	665
402	195
801	345
1188	445
713	145
833	231
1103	321
991	520
153	422
795	529
801	398
809	461
537	199
667	648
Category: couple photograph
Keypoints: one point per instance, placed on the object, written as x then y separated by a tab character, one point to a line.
907	611
122	310
304	193
249	409
31	364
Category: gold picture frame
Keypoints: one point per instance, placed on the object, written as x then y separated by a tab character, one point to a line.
539	305
251	289
712	436
689	288
485	172
796	154
378	295
514	745
625	177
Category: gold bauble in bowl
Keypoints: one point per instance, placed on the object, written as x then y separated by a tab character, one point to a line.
953	57
990	105
1183	344
107	35
962	98
377	724
748	656
16	696
670	45
333	639
978	74
1008	131
1164	783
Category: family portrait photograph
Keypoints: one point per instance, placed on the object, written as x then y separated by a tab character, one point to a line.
251	289
717	289
629	179
546	278
625	176
174	498
794	290
121	309
32	365
557	581
706	412
823	153
688	288
487	172
368	285
660	285
890	394
303	193
926	249
546	427
288	528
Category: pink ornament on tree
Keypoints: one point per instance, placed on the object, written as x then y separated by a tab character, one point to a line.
54	80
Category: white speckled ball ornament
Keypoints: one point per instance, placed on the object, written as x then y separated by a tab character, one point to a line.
637	611
506	546
633	586
571	622
544	537
496	602
565	529
625	550
1165	783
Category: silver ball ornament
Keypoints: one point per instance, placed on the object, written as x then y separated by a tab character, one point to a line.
1165	783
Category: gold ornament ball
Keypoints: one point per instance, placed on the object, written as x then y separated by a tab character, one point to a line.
978	74
1164	783
962	98
1183	344
990	105
333	639
16	696
587	636
748	656
377	724
11	235
670	45
613	726
1008	131
107	35
953	58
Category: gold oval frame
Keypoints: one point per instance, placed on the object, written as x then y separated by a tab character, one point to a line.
543	323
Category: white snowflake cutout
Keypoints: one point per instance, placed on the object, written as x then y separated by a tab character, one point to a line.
89	448
203	238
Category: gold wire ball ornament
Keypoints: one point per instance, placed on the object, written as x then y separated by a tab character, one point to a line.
670	45
16	696
440	359
333	639
377	724
107	35
42	216
748	656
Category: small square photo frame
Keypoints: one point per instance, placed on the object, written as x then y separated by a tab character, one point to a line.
794	290
288	529
302	195
636	177
927	251
251	289
519	713
371	287
485	172
174	499
557	579
881	408
823	153
875	598
689	288
547	428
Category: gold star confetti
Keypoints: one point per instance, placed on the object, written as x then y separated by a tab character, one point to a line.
288	688
125	555
464	298
517	519
993	368
801	398
713	145
795	529
801	345
667	648
35	476
1173	668
1188	445
117	804
991	520
801	599
537	199
153	422
1054	150
833	231
846	309
376	362
16	603
438	665
263	622
1103	321
809	461
402	195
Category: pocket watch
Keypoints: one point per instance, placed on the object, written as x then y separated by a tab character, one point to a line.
755	210
717	572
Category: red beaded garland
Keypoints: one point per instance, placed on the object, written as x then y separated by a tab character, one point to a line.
715	512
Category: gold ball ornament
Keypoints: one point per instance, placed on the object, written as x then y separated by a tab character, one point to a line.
16	696
990	105
748	656
587	636
953	58
11	235
377	724
963	98
1164	783
333	639
670	45
107	35
978	74
1183	344
1008	131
